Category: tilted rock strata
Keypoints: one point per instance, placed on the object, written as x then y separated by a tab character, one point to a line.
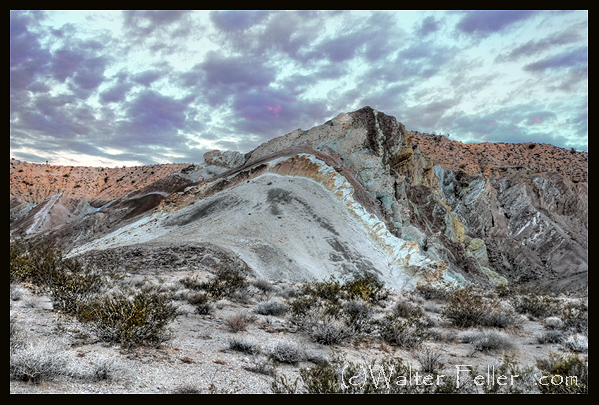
427	207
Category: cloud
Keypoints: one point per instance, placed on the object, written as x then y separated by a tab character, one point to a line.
153	118
537	46
158	31
482	23
571	58
28	58
236	20
428	26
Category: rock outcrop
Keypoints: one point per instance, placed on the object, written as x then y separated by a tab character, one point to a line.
357	194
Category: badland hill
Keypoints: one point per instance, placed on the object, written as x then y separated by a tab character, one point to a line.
358	194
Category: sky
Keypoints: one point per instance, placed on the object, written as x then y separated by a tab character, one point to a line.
112	88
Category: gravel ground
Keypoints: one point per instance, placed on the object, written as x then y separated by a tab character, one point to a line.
198	358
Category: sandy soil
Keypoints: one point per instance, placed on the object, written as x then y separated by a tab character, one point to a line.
198	355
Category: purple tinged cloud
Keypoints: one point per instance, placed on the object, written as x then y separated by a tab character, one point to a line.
174	84
486	22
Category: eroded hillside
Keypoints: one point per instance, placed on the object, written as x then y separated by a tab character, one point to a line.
434	208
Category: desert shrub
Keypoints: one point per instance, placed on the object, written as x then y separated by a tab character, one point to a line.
550	336
33	264
553	322
263	286
226	281
445	336
39	361
339	376
489	341
70	284
406	310
350	302
201	303
192	283
261	365
430	359
524	378
500	316
274	308
141	319
187	389
538	306
239	322
327	330
572	373
575	316
301	306
358	315
67	280
576	343
366	288
433	291
406	333
467	307
244	346
287	353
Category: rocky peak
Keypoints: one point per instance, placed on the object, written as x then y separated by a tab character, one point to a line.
487	213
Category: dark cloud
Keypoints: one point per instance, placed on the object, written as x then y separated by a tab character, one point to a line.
267	73
154	118
219	77
236	20
570	58
28	58
486	22
160	31
148	77
537	46
428	26
145	22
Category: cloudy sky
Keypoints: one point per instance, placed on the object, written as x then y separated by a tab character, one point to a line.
109	88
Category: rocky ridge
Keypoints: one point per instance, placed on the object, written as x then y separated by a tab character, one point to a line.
403	205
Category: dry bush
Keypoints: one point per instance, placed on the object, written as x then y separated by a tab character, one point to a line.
244	346
39	361
406	310
575	368
326	330
489	341
466	307
201	303
287	353
576	343
239	322
274	308
553	322
141	319
406	333
430	360
550	336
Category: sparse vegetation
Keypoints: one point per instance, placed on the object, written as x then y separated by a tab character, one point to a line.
136	311
467	307
287	353
571	372
239	322
244	346
489	341
274	308
140	319
407	333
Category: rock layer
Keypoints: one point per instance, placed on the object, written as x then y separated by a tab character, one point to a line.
405	206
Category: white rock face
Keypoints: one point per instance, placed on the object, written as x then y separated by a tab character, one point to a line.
290	227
